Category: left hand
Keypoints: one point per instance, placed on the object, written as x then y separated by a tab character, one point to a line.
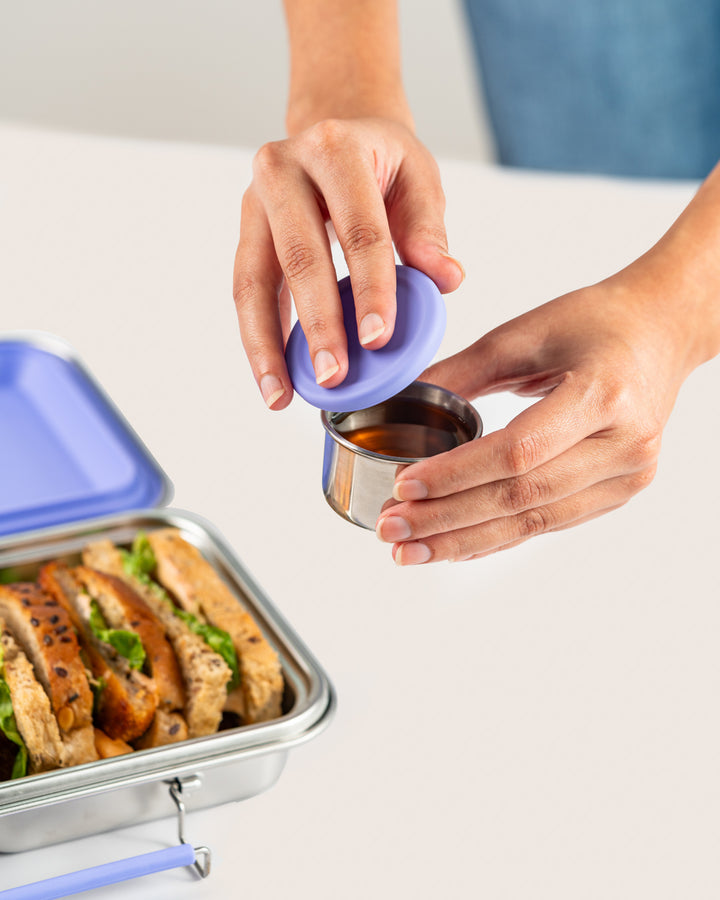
607	362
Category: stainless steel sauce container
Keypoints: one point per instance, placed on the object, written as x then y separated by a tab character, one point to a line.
358	481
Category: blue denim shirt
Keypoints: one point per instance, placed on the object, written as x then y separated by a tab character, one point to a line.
623	87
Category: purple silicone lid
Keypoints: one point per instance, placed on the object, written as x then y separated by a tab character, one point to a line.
67	452
375	375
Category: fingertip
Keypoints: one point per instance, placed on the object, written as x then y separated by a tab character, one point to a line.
452	274
330	368
371	331
445	270
275	393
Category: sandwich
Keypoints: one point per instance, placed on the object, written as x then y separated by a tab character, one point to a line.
207	671
133	648
140	691
41	643
29	734
173	577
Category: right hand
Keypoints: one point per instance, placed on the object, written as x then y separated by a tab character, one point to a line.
374	182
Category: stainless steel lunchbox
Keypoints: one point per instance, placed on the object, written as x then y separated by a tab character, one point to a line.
230	765
72	470
366	448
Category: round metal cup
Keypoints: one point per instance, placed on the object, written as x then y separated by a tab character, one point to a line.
357	481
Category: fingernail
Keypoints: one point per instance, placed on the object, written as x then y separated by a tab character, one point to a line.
371	327
325	366
393	528
271	388
410	489
412	554
457	263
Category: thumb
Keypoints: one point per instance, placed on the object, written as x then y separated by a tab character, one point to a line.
509	358
466	373
416	218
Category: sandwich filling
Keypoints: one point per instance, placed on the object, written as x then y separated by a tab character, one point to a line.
8	726
127	643
139	562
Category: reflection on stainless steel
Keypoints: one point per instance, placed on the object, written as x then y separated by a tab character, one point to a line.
365	449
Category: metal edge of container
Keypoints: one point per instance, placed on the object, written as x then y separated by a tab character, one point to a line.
327	416
313	699
52	343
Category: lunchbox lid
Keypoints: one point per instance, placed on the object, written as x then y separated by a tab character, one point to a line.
376	375
66	451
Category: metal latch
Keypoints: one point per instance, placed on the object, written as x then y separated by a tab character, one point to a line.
202	854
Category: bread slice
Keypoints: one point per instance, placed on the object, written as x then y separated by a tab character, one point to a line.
44	631
205	673
198	588
31	707
128	700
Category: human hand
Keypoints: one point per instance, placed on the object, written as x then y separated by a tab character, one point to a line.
375	184
607	362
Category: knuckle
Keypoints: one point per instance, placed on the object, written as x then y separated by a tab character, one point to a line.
638	481
520	493
298	259
268	159
613	398
327	137
245	290
362	236
315	331
523	453
645	448
534	521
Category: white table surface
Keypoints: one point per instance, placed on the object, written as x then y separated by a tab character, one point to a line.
539	724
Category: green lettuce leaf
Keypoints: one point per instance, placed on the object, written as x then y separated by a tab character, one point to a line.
9	728
8	576
140	560
127	643
140	563
218	640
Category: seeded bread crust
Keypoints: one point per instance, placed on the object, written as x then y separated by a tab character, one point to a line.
165	728
127	703
31	706
44	631
204	672
197	587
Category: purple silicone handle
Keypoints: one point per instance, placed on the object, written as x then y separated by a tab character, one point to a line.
100	876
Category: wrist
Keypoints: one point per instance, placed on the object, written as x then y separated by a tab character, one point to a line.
678	280
675	294
344	62
309	105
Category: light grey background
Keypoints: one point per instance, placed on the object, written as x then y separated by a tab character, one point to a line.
211	72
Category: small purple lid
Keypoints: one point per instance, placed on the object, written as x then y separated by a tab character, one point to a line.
375	375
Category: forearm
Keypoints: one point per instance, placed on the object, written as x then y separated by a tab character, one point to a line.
680	276
344	61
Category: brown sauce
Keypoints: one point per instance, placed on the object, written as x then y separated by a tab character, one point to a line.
410	440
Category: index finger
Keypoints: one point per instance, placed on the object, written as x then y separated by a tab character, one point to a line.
538	434
343	172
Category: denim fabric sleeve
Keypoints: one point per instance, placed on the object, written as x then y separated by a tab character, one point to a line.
623	87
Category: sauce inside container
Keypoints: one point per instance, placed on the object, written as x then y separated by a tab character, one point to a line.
405	429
